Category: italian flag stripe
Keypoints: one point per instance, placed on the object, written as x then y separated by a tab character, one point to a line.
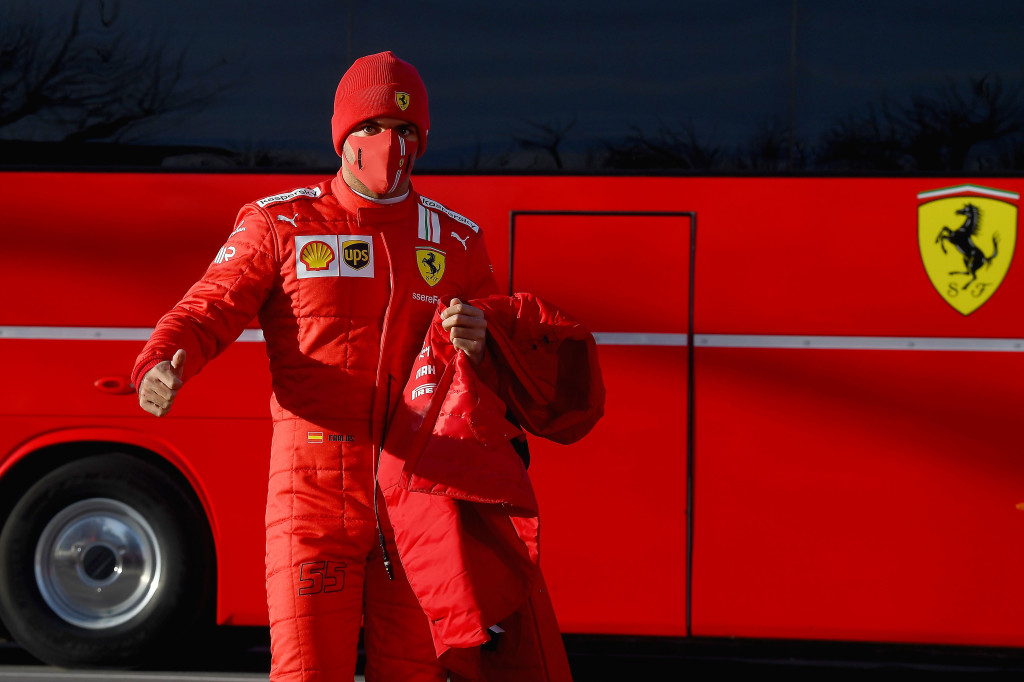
429	225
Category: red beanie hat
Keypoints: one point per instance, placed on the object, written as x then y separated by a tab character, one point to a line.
380	85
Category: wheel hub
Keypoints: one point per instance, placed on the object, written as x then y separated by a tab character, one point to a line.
100	564
97	563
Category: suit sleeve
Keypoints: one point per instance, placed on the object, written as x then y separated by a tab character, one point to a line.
480	283
217	308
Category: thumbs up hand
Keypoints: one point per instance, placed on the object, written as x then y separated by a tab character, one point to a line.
161	385
178	363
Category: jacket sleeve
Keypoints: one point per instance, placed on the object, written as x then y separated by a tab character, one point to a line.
218	307
548	367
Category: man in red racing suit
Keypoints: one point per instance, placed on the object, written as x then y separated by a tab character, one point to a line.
345	277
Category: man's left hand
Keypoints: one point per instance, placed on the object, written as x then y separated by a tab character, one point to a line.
467	329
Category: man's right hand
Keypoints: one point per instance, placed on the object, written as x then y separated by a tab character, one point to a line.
161	384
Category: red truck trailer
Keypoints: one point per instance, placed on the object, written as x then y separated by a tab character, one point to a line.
810	430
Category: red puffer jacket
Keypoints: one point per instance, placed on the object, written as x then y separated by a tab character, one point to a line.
457	491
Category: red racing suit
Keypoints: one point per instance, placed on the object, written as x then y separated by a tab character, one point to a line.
344	289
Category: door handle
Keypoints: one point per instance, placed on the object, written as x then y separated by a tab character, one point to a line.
115	385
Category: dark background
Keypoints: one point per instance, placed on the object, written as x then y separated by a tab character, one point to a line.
776	86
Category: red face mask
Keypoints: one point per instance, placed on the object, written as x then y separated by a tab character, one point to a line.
381	160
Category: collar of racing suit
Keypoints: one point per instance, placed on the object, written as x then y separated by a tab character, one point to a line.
367	209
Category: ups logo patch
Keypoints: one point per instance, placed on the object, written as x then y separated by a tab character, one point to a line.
356	254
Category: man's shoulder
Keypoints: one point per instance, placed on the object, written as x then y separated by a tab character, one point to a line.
285	210
429	207
299	194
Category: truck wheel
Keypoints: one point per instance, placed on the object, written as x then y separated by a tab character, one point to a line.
104	561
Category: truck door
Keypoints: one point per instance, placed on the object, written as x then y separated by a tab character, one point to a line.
614	504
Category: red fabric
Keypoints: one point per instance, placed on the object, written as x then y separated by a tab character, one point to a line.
380	161
380	85
339	350
465	516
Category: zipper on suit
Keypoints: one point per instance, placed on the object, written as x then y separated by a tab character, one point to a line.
379	446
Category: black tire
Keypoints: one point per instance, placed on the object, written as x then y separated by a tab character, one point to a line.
104	561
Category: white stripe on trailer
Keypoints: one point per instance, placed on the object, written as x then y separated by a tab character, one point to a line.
100	334
754	341
770	341
625	339
927	343
24	673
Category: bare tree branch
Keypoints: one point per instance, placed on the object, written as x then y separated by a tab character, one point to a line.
670	147
932	132
74	85
546	137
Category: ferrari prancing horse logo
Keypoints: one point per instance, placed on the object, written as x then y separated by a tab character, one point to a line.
402	100
431	265
967	236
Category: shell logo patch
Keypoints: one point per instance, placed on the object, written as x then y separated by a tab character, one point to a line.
967	236
402	100
431	265
316	256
